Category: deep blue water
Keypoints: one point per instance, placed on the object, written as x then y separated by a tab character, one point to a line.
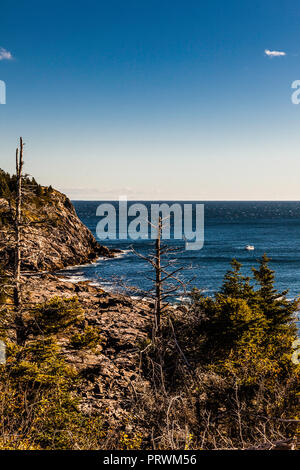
272	227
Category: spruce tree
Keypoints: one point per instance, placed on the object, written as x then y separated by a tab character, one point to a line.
278	310
236	285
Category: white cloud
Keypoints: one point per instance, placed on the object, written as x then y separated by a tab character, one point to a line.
274	53
5	55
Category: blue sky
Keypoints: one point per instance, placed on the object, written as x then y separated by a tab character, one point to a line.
153	99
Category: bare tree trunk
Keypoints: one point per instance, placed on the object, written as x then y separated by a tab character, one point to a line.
165	282
158	286
17	290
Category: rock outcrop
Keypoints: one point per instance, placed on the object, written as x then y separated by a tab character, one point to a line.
53	235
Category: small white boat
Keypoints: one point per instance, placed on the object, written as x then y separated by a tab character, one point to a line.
249	247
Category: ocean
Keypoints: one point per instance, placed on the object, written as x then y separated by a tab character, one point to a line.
272	227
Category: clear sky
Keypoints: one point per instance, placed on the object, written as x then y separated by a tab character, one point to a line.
153	99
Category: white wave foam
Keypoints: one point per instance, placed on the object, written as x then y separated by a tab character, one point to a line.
73	279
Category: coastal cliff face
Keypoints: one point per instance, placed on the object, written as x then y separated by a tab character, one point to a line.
53	236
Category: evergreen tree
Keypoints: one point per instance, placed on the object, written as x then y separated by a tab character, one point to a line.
4	188
39	190
278	310
248	329
236	285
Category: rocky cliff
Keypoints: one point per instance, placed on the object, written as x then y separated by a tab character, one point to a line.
53	236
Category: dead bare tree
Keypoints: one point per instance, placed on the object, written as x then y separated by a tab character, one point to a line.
15	236
17	271
158	276
166	281
19	323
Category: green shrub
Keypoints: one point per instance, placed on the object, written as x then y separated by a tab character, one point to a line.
39	406
90	338
56	314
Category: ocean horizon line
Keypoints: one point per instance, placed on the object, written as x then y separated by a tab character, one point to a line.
189	200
